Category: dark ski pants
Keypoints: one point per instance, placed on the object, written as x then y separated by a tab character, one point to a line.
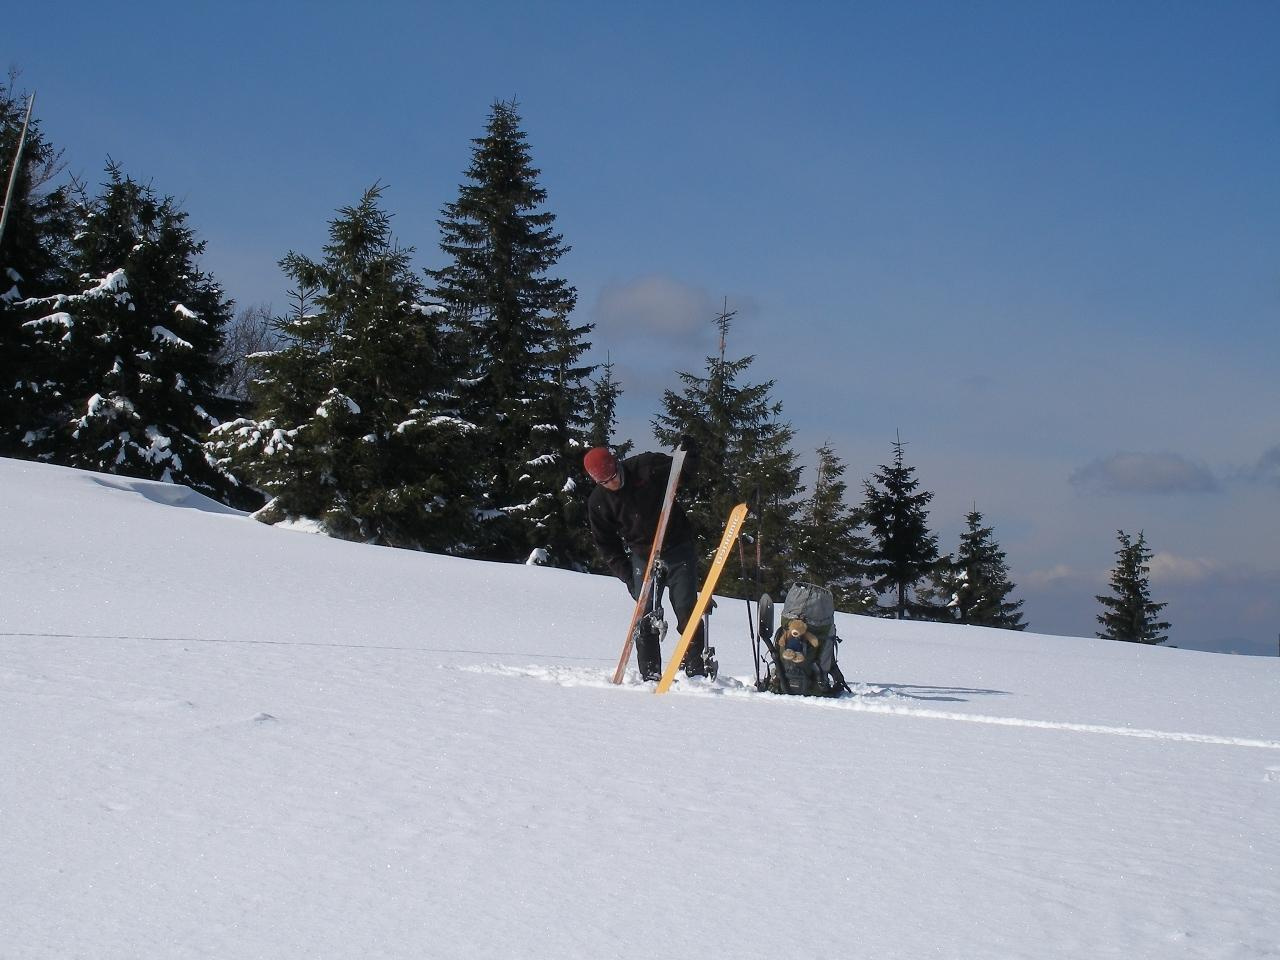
681	584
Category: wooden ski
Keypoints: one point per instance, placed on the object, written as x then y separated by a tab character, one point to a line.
646	586
731	531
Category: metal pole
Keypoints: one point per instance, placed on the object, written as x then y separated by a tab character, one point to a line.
17	162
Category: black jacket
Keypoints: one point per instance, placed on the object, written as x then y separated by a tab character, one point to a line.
628	518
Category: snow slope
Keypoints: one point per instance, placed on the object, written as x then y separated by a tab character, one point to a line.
231	741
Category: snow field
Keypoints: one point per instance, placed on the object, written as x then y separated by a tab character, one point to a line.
226	740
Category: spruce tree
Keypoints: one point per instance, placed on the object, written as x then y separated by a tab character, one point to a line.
132	347
356	423
744	454
904	551
34	264
828	548
973	586
562	407
526	387
938	594
1129	614
605	392
273	450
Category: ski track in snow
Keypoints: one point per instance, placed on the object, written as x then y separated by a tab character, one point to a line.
859	701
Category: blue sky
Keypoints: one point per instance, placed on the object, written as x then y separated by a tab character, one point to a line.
1038	239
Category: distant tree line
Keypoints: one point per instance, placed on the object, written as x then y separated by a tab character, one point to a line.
445	410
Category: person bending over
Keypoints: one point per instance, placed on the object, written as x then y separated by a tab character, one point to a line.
623	513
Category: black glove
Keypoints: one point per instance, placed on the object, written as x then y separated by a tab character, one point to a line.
688	444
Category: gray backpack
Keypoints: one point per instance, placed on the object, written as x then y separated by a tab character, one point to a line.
804	647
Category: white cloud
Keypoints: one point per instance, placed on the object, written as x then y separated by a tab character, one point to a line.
1165	568
1145	473
1056	575
658	306
1170	568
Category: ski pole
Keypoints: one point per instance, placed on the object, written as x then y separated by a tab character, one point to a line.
755	506
751	629
17	163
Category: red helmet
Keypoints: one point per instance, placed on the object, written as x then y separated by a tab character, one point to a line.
601	465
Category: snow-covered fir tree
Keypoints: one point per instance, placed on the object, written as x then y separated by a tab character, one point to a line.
827	547
356	422
34	263
938	594
904	551
527	389
1128	613
563	411
132	346
973	586
744	453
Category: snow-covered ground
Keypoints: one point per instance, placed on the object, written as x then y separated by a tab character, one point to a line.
223	740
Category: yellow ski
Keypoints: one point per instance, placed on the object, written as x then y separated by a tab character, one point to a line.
736	516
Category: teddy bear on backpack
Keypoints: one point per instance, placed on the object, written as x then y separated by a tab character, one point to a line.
804	648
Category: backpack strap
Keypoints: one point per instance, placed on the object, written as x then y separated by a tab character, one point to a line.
775	651
836	673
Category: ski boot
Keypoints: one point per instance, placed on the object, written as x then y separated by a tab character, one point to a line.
648	650
651	629
649	634
700	658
